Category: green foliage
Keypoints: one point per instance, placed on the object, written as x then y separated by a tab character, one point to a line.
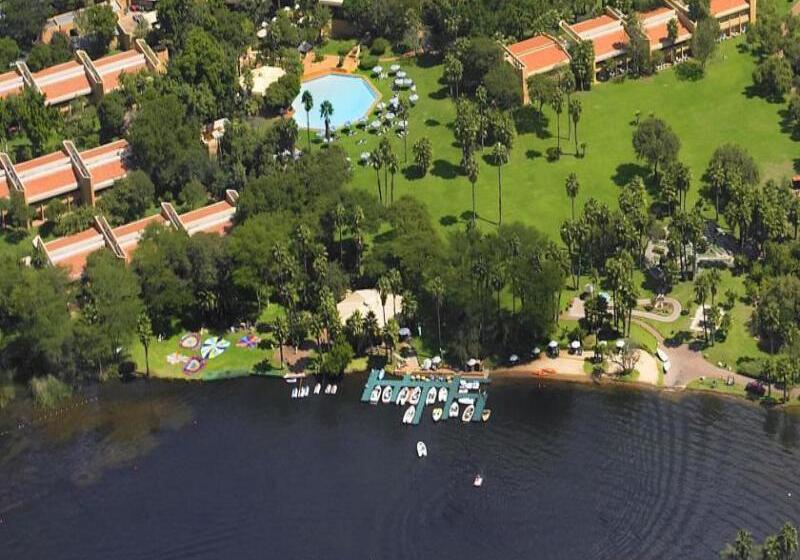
379	46
9	52
129	199
481	55
37	121
368	62
502	86
81	125
690	70
656	143
49	392
111	114
335	361
282	92
18	213
98	24
773	77
43	55
704	39
582	63
423	155
22	20
80	219
192	195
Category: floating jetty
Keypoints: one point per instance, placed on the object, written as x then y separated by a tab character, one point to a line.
425	382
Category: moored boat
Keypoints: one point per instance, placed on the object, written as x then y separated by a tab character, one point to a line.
402	396
327	389
454	410
387	394
422	450
466	400
294	393
334	389
416	393
442	394
375	396
431	398
486	414
408	417
437	414
469	412
317	388
478	482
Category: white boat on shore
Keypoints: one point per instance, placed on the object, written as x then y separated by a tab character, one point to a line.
431	398
437	414
408	417
317	388
443	394
375	396
334	389
416	393
387	394
402	396
486	414
422	450
469	412
294	393
454	410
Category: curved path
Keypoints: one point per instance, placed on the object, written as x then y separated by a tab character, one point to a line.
577	311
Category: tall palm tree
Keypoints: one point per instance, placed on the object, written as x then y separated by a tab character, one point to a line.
402	112
557	103
384	289
392	166
471	169
396	281
575	110
500	156
356	227
436	289
326	112
280	328
376	160
339	220
573	187
700	296
308	104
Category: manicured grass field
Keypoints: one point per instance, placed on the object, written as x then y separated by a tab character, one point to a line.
717	386
705	114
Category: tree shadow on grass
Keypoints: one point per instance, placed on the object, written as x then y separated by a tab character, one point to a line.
412	173
530	121
533	154
787	126
796	165
428	60
432	122
448	220
679	338
627	171
439	94
444	169
466	215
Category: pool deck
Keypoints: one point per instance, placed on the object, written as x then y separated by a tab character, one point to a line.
425	384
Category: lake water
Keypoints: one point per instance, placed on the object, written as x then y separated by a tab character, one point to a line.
238	470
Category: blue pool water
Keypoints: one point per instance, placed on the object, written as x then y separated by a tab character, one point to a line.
351	97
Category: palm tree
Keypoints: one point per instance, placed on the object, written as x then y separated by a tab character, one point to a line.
402	112
392	166
356	224
144	330
700	296
575	110
557	103
384	289
326	112
500	156
376	160
339	219
281	330
396	281
436	289
471	169
573	187
308	104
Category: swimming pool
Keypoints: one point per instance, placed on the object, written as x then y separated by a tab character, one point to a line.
351	97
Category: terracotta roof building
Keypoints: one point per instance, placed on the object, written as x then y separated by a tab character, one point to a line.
536	55
81	77
73	251
733	15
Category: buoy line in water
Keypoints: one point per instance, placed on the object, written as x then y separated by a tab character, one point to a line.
44	418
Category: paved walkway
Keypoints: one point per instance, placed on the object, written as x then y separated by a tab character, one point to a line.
577	311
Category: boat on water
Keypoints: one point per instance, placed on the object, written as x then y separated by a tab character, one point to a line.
375	396
478	482
387	394
408	417
334	389
437	414
466	400
416	393
486	414
290	379
469	412
431	398
422	450
317	388
294	393
442	394
454	410
402	396
327	389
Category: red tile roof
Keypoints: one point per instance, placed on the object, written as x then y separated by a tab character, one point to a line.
63	82
724	7
593	24
72	251
111	67
655	24
11	83
212	218
107	163
129	235
47	176
607	34
3	185
539	54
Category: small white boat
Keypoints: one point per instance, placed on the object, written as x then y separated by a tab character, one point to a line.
422	450
468	413
466	400
334	389
662	355
375	396
486	414
387	394
443	394
454	410
294	393
416	393
327	389
408	417
290	379
437	414
478	482
305	391
317	388
402	396
431	398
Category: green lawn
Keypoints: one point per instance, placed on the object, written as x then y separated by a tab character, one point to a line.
717	386
704	114
234	362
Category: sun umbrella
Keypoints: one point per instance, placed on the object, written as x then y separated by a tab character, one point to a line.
398	82
471	362
380	106
405	331
213	347
401	74
413	98
426	363
375	124
621	343
553	344
394	68
575	344
194	365
513	358
437	360
377	69
190	340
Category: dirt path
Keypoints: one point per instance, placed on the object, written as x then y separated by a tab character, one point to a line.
577	311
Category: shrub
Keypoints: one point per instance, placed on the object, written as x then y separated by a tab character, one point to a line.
553	153
368	62
691	70
502	86
319	56
379	46
49	392
6	394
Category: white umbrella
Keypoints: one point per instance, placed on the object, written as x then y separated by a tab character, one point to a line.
621	343
575	344
401	74
389	116
413	98
408	82
364	157
553	344
398	82
471	362
536	351
375	124
394	68
377	70
514	358
402	125
394	101
426	364
380	106
437	360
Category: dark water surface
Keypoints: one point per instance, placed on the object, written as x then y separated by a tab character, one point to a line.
238	470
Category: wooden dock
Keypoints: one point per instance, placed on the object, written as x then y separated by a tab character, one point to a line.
425	382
